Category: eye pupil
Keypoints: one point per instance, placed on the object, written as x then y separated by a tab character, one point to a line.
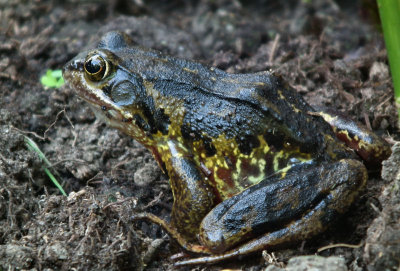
95	67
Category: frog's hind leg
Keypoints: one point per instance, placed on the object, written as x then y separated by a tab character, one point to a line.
370	147
300	206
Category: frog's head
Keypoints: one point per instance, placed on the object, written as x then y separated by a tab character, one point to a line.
115	93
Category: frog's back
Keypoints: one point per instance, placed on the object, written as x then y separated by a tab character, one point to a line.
217	102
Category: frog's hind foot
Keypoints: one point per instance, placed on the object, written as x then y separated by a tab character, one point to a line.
172	232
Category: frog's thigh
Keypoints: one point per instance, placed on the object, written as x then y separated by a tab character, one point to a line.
293	208
193	196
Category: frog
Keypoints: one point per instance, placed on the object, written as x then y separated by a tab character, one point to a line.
251	164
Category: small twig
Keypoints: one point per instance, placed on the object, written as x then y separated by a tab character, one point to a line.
154	201
384	101
8	76
274	47
339	245
112	244
119	202
44	137
10	215
376	209
73	128
367	122
68	119
114	168
270	258
53	123
28	132
94	177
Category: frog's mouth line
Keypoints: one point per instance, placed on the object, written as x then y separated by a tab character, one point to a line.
103	107
74	75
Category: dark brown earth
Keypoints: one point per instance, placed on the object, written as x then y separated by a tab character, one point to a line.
331	52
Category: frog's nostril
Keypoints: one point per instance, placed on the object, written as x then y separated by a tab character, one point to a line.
77	65
74	65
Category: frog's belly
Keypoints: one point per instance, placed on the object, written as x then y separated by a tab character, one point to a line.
231	172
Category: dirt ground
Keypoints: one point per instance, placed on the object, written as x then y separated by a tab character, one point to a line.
331	52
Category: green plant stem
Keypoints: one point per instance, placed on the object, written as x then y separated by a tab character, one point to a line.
32	146
389	11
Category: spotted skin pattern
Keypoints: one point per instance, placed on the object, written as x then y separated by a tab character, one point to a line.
251	164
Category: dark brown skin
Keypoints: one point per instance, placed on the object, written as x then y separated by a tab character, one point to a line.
248	159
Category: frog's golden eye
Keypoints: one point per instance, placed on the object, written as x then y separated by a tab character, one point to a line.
96	67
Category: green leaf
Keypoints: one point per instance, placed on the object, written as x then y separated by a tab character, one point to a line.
389	11
52	79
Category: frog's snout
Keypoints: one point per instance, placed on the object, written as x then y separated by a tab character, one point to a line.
73	65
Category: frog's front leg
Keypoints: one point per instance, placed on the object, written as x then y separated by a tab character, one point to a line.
193	198
193	195
278	210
